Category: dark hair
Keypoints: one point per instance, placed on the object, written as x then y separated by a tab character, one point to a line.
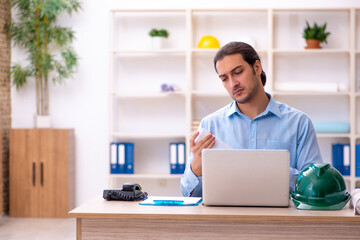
247	52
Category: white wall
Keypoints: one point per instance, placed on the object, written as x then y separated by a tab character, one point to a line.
82	102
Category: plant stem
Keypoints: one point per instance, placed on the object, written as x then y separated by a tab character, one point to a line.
38	77
46	83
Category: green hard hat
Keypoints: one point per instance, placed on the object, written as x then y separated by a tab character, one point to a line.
320	187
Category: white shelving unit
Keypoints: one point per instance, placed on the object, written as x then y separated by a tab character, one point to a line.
140	113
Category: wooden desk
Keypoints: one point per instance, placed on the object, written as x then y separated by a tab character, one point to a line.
100	219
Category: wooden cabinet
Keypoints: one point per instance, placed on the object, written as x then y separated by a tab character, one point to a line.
1	171
41	172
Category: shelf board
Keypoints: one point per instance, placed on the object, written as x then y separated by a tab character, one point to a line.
210	94
276	10
227	10
150	135
214	50
309	93
147	176
311	51
148	95
205	50
148	52
131	11
333	135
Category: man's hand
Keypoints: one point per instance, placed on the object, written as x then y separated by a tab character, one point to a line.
196	148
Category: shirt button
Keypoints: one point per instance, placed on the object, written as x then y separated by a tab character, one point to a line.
252	139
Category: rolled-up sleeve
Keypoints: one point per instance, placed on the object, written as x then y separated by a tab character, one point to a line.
307	151
190	182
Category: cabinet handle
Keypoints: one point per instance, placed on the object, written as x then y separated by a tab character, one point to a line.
42	173
34	173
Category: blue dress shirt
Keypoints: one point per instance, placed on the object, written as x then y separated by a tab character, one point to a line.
278	127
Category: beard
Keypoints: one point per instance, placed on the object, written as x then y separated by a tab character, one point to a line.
249	96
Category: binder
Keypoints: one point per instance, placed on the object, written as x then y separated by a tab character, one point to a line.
357	172
346	159
113	158
129	158
173	157
180	158
121	157
337	157
341	158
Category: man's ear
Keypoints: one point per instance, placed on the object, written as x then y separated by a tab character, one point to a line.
257	67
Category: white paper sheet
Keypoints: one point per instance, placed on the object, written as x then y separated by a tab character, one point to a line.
355	200
218	143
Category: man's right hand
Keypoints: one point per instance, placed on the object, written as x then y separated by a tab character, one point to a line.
196	148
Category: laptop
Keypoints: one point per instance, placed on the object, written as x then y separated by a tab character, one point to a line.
245	177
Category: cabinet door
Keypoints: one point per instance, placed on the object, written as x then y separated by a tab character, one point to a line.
54	157
24	172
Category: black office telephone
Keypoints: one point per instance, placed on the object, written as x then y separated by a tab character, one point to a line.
129	192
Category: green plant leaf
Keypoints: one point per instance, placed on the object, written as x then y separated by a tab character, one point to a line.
21	5
61	35
158	33
19	75
153	32
315	32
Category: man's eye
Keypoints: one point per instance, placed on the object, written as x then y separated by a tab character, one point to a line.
238	72
223	79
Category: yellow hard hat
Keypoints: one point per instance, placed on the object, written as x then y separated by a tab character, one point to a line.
209	42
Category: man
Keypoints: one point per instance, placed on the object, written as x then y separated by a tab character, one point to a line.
254	120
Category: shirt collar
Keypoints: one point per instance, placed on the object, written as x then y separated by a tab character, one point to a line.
233	109
272	107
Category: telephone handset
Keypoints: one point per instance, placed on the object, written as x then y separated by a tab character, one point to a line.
129	192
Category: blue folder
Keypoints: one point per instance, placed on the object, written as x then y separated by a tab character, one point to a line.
173	157
180	157
129	158
340	150
113	158
337	157
357	172
121	157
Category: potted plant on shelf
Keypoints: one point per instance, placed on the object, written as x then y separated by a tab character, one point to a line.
315	35
158	37
47	45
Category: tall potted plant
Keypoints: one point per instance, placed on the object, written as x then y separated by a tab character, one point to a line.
47	45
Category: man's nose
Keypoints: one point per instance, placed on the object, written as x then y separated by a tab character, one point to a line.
233	82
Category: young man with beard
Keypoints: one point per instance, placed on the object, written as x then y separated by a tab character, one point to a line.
254	120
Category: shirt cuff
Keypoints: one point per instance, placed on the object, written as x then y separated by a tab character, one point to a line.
294	173
190	181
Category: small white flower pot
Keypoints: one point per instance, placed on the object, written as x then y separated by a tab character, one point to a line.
157	43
